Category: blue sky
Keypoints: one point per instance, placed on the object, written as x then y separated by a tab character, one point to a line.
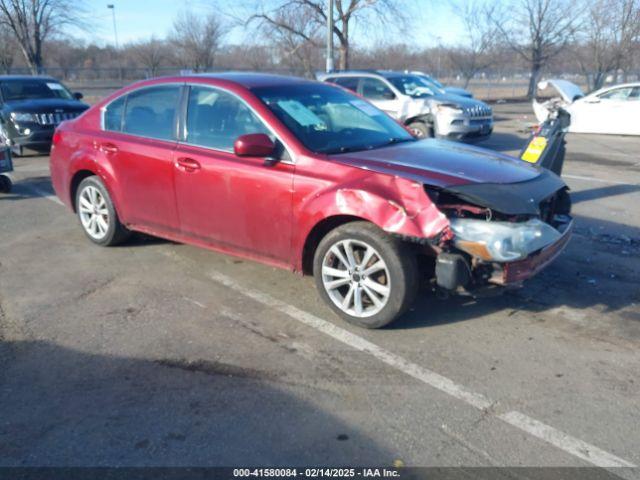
139	19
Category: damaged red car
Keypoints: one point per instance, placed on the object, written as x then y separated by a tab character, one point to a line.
307	176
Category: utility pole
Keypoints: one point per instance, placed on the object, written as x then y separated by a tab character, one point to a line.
330	37
112	7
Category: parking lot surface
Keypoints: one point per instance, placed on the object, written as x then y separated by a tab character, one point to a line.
156	353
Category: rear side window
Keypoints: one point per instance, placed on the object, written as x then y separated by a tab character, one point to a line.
215	119
374	89
113	114
151	112
347	82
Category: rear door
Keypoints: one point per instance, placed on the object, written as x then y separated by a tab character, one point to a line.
139	142
239	203
139	136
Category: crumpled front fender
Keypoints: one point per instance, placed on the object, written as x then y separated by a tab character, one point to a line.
396	205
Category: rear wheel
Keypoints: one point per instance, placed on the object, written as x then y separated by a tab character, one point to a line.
366	276
97	214
5	184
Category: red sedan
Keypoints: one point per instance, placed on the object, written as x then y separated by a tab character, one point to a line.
307	176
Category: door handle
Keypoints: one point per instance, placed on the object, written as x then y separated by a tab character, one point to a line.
187	164
108	148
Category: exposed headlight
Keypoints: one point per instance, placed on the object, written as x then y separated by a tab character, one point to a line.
23	117
502	241
450	109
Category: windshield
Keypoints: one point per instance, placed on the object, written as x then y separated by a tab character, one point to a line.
413	85
32	89
327	119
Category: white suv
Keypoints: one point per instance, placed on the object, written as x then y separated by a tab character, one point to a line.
420	105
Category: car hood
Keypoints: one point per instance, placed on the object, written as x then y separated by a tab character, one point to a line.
441	163
474	174
44	105
461	92
567	90
465	103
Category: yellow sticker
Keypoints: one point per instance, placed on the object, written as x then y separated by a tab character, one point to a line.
534	150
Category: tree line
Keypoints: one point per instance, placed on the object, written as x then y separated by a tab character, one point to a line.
596	38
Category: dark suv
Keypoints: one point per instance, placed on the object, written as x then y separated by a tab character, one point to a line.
31	108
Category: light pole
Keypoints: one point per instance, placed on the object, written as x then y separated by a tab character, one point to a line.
112	7
330	37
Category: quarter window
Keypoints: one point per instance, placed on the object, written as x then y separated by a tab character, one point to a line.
150	112
215	119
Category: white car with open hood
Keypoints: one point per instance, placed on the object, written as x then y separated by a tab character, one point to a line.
610	110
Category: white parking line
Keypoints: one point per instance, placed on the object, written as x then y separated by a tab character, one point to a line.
555	437
37	191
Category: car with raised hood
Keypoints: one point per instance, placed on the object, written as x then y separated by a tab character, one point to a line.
612	110
310	177
31	108
424	108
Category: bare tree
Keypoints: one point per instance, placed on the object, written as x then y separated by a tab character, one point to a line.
305	18
32	22
474	55
612	31
537	30
151	54
197	39
7	49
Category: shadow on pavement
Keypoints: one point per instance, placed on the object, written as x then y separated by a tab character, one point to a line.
63	407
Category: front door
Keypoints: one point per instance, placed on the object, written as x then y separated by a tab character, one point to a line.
236	203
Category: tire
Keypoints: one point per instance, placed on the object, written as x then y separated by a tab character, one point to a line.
421	129
97	215
340	276
5	184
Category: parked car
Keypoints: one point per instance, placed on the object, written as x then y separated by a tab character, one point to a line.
450	90
31	108
310	177
427	112
611	110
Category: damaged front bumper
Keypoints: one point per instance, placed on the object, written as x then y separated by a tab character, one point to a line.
460	272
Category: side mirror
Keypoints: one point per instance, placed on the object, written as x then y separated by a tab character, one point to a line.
388	95
78	96
254	145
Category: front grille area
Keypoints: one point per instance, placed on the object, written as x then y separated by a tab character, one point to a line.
478	111
55	118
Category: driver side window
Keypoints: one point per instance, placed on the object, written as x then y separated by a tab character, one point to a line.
375	89
215	119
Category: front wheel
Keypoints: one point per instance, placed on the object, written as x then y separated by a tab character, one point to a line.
421	130
97	214
366	276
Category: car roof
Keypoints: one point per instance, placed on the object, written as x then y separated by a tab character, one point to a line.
253	79
354	73
26	77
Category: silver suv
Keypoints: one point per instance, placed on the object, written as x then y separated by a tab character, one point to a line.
427	110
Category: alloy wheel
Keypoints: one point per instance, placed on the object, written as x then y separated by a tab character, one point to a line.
356	278
93	212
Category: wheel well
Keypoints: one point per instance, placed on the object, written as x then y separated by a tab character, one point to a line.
317	234
75	182
426	119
